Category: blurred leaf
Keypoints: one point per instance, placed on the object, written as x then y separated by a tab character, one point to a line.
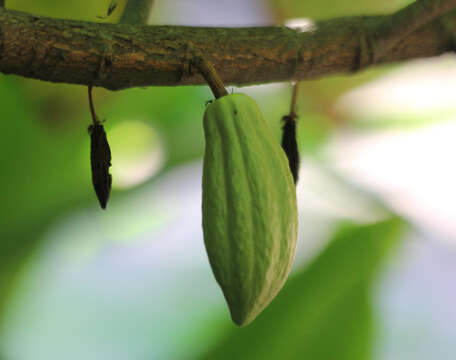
324	312
324	9
46	166
177	113
81	10
41	176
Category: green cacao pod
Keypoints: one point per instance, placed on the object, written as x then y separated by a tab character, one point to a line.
249	206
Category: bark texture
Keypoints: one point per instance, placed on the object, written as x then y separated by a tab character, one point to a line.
118	56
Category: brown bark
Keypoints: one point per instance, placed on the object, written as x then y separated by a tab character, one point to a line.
117	56
404	22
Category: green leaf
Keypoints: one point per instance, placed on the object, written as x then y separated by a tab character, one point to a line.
176	113
136	12
324	312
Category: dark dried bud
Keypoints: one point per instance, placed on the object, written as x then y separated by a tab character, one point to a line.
100	161
290	145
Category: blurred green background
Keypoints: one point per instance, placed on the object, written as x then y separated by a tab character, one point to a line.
376	258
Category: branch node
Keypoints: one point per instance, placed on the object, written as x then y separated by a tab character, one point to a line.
105	58
298	57
366	54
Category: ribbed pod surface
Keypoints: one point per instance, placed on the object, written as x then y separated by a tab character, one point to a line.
249	206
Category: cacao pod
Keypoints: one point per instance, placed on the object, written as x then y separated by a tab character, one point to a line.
249	206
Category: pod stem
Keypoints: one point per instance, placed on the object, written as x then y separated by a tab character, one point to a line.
294	98
92	108
207	70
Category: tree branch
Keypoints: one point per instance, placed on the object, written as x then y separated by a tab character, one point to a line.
406	21
117	56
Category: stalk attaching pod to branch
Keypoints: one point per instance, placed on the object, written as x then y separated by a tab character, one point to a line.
207	70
